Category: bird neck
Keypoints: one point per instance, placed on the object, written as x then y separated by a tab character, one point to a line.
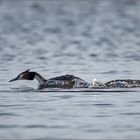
39	78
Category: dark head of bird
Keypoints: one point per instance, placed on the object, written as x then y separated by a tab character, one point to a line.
26	75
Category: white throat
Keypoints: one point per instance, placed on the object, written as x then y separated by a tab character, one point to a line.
40	79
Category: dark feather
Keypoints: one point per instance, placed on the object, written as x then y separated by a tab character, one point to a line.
66	78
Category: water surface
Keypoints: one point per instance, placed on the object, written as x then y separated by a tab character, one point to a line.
87	38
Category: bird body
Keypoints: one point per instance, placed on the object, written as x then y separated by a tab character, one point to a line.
71	81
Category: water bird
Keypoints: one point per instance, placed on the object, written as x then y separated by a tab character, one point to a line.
71	81
65	81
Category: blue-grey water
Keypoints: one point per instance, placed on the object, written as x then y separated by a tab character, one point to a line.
88	38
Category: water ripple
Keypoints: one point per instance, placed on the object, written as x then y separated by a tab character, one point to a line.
35	126
87	38
8	126
12	105
130	113
8	114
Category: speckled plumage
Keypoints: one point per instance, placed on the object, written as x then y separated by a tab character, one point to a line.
65	81
71	81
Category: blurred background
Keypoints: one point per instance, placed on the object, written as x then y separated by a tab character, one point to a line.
86	38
